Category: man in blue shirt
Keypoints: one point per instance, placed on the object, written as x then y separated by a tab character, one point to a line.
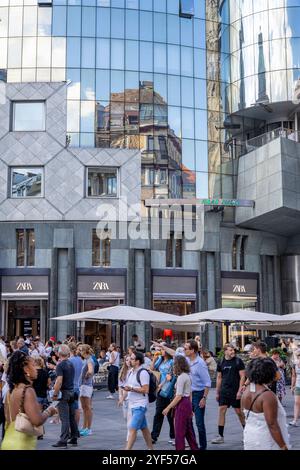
201	384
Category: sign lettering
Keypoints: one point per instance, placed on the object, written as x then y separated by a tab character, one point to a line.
100	286
24	286
239	288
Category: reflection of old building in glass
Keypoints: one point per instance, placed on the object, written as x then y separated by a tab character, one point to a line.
139	119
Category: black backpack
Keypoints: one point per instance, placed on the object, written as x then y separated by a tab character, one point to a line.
152	394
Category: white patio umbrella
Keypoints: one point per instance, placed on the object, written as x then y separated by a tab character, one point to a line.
232	315
121	313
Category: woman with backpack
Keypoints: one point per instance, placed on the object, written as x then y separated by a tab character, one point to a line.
165	392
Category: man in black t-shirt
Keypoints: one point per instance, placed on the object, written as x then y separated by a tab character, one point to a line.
230	380
65	384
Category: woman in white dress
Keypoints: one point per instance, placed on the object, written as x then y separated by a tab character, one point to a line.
266	427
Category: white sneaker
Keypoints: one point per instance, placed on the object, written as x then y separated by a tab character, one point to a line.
218	440
293	423
110	397
172	442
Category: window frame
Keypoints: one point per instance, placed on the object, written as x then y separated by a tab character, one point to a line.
104	169
13	115
10	179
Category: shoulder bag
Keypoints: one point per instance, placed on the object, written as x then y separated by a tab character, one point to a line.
22	422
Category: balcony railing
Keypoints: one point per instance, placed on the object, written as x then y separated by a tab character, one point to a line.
264	139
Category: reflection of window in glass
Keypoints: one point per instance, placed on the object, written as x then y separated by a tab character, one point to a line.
101	248
148	176
163	147
187	8
26	182
174	251
28	116
242	252
25	239
102	182
234	251
150	143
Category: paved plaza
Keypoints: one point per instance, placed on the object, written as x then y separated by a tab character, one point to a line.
109	430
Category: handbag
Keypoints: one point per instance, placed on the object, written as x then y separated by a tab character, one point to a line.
22	422
167	389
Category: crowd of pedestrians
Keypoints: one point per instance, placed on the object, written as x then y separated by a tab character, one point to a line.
55	380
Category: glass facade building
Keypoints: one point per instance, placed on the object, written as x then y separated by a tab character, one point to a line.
137	78
259	68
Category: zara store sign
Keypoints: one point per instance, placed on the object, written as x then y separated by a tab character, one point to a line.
239	287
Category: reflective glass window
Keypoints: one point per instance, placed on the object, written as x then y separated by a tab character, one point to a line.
59	21
160	5
14	53
73	52
103	3
293	44
199	34
146	56
188	123
146	26
276	24
117	82
14	75
44	21
131	81
58	52
132	55
103	53
200	63
117	23
160	85
200	94
103	22
146	5
29	21
187	67
102	85
74	21
132	24
293	21
102	182
29	116
160	27
87	139
132	4
87	116
174	117
29	52
277	54
261	26
88	21
28	75
15	21
173	6
201	155
26	182
118	3
173	88
201	124
87	84
173	59
188	154
173	29
160	58
73	89
3	53
43	75
279	86
187	92
117	54
88	52
202	185
4	22
186	32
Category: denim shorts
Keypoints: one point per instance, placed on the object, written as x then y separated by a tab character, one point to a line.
138	420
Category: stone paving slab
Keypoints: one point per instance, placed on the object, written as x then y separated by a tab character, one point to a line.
109	429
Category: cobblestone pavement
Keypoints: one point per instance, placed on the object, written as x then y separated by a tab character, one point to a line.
109	430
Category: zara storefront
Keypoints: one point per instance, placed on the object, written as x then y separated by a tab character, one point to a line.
24	302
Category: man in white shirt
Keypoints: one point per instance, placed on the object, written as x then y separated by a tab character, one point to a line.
137	386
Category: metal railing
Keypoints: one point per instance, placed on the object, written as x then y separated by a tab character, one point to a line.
259	141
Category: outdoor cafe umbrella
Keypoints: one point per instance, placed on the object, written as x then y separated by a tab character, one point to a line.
121	314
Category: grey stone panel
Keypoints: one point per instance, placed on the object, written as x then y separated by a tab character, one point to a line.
63	238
